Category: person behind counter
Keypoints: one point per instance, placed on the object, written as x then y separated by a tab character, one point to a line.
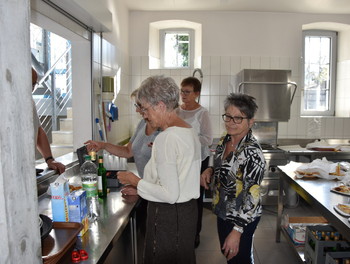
42	142
139	146
238	171
171	177
198	117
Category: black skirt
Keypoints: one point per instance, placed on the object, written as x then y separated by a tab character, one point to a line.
170	233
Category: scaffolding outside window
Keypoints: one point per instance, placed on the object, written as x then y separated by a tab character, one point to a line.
319	68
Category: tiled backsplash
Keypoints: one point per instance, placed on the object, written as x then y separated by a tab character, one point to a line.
219	73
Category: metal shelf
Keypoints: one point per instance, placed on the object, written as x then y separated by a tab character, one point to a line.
315	193
298	250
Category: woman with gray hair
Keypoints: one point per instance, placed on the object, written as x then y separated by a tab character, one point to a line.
171	177
238	170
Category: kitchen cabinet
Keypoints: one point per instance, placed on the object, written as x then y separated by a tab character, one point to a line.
316	193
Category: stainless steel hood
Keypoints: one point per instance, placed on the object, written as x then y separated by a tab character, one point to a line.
272	90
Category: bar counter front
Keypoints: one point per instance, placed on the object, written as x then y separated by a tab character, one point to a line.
317	193
113	235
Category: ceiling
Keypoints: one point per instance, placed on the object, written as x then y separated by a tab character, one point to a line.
291	6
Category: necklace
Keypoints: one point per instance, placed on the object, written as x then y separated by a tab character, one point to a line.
234	146
231	144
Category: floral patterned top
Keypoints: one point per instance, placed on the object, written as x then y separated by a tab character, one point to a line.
237	180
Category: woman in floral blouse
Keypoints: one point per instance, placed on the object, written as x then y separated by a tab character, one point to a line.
238	170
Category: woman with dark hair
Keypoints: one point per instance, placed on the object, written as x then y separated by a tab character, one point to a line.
171	177
198	117
238	170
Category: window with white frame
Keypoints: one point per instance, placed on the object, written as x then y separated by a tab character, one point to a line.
176	47
319	71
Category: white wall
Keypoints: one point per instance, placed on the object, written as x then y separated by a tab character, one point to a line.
236	40
115	57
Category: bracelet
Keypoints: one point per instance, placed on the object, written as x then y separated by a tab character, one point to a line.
49	158
238	229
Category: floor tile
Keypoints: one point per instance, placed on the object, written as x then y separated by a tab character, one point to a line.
266	250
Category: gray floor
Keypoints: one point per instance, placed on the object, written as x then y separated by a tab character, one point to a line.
266	250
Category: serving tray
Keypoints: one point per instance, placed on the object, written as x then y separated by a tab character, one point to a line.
61	238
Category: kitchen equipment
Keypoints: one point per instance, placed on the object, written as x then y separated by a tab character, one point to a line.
272	90
266	133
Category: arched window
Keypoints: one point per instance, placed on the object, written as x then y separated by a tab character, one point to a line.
175	44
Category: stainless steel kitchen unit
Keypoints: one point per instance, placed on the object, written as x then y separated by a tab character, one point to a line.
316	193
272	89
269	185
266	134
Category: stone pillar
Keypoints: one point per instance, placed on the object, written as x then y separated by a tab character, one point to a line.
20	235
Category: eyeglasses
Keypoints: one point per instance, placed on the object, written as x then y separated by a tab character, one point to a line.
185	92
236	119
140	108
137	106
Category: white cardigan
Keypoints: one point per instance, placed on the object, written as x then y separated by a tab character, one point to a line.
172	174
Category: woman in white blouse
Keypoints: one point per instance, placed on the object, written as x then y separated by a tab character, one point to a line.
171	177
198	117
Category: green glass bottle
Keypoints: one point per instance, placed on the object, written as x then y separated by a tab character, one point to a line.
101	179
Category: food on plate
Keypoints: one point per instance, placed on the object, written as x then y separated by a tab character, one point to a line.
336	174
342	189
307	174
345	208
338	171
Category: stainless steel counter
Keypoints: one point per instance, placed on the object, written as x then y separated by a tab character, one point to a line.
317	193
116	213
48	176
299	154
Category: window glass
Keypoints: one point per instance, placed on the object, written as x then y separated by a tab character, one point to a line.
51	58
319	73
176	48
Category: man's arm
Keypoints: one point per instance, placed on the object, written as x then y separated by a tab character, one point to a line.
44	148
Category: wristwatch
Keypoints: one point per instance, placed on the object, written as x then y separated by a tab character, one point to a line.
49	158
238	229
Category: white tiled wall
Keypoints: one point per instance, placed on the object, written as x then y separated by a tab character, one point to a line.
217	83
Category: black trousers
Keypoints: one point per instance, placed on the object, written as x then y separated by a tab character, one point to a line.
245	254
170	233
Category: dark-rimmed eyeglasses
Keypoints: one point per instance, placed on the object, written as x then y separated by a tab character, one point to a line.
236	119
185	92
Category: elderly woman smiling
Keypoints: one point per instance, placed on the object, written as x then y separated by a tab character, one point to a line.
171	177
238	171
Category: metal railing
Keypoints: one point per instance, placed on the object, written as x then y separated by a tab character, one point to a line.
53	93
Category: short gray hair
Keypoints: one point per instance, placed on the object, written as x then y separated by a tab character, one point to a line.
245	103
157	89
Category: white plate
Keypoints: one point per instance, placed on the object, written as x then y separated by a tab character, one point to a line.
343	193
340	211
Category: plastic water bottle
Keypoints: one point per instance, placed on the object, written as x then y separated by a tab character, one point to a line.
88	173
